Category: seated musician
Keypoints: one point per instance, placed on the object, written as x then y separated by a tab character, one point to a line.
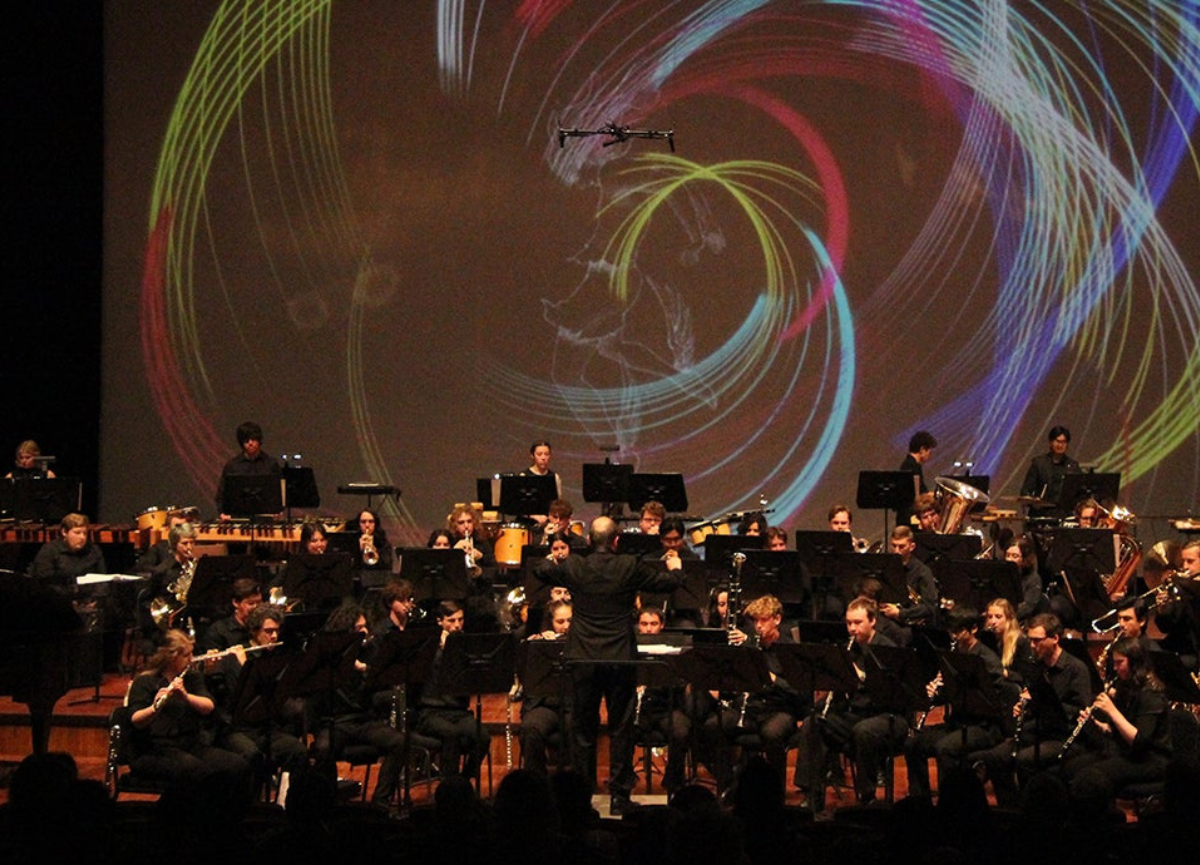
1022	554
656	710
1178	615
777	539
440	539
922	588
541	716
925	509
374	549
1125	736
850	724
470	537
27	465
960	734
229	631
558	524
1087	514
250	461
62	561
397	602
753	525
161	553
771	713
169	702
1011	644
448	717
1036	735
271	743
673	536
653	513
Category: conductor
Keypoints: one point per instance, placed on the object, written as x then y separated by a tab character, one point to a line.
603	589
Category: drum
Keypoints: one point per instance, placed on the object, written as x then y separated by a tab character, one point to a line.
700	531
152	518
509	541
958	499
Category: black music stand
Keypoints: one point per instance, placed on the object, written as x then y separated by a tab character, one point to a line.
1047	711
896	679
212	583
252	495
524	494
719	549
815	549
977	582
299	489
257	700
1177	681
369	490
44	500
1098	486
850	569
403	660
478	664
968	688
545	674
732	669
436	575
320	580
666	488
932	546
699	580
979	482
1082	549
809	667
775	572
886	491
607	484
638	544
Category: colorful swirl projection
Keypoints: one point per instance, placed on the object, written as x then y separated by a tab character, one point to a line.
1060	288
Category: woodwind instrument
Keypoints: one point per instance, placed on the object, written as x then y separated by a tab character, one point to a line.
217	654
1022	703
1087	715
167	692
829	696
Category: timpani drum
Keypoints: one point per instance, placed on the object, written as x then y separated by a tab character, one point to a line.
509	541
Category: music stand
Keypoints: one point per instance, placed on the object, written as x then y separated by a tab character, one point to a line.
252	495
212	583
44	500
606	483
299	489
850	569
1098	486
1178	684
639	544
968	688
257	701
886	491
545	674
932	546
774	572
666	488
896	679
403	660
320	580
523	494
809	667
719	549
435	574
977	582
694	592
1082	548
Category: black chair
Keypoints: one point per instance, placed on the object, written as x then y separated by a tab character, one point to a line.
1185	748
118	777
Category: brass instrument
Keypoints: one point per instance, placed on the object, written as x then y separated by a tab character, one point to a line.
370	555
1165	592
957	500
861	545
165	610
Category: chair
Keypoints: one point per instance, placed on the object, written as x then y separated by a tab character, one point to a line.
1185	748
118	777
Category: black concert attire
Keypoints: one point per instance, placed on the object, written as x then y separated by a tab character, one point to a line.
449	719
923	586
771	714
348	716
28	473
1041	735
56	565
262	746
157	556
541	718
910	465
603	589
382	546
852	726
174	745
1112	763
240	465
1179	621
657	711
959	735
1032	601
220	635
1044	480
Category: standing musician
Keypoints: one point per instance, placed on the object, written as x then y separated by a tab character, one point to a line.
541	717
1179	617
250	461
920	449
603	587
62	561
374	550
1037	735
168	703
1126	730
922	588
850	724
950	742
448	717
27	465
1044	478
772	712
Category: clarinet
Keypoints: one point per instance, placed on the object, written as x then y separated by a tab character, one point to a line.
829	696
1016	745
1083	722
751	643
637	709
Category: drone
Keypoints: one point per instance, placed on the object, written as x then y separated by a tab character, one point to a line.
617	134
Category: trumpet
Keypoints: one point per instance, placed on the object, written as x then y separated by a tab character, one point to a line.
370	555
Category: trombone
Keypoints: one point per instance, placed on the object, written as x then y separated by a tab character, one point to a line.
1108	623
